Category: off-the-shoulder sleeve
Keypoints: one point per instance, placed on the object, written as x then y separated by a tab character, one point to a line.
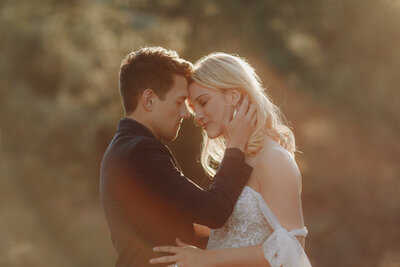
282	249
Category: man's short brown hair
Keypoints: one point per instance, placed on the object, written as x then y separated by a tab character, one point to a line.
149	68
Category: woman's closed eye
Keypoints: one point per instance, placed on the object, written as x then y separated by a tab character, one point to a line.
203	103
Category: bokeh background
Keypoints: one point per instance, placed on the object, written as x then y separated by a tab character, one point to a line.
333	66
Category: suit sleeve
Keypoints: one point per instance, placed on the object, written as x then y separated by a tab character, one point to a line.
210	207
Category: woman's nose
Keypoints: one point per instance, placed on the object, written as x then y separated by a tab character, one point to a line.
198	117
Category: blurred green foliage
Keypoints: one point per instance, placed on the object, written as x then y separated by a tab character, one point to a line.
333	67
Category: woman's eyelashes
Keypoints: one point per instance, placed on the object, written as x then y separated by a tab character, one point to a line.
203	102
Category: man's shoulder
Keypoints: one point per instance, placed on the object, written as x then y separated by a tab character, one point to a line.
137	144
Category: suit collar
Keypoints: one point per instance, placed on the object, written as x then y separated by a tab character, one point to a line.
133	126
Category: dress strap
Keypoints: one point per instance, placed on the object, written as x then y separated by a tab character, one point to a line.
267	212
282	249
273	221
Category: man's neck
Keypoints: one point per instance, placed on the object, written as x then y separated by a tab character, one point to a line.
143	121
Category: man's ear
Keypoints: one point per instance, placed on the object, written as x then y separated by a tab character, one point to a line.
235	97
147	99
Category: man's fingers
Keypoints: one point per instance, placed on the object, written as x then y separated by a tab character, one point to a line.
254	121
228	113
242	110
252	116
252	111
164	259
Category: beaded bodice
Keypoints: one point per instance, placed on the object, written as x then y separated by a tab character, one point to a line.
246	226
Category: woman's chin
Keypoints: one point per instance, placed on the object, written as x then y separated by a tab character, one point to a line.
213	134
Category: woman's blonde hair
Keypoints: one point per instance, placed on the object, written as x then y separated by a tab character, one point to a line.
224	71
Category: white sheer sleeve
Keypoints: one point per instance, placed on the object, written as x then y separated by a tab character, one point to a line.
282	249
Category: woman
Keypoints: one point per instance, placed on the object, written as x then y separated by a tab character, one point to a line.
266	227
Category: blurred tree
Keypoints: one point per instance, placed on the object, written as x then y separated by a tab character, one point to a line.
333	65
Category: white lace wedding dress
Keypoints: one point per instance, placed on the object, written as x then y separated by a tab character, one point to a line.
251	223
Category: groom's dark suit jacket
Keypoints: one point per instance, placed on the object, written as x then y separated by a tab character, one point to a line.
148	201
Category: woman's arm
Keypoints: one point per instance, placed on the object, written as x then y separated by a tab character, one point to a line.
189	256
245	256
280	186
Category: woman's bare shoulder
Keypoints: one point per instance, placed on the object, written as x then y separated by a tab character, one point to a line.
276	167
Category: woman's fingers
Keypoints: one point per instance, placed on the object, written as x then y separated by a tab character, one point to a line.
164	259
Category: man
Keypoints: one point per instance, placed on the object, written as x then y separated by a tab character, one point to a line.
146	199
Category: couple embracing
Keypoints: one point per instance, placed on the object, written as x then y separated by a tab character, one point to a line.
156	215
